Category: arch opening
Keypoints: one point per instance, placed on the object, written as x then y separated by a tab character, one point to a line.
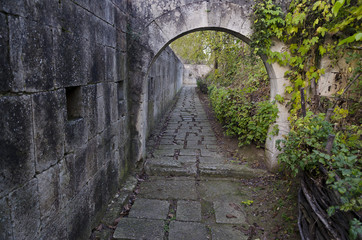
170	25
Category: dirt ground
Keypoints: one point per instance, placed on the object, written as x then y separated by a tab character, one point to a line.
272	205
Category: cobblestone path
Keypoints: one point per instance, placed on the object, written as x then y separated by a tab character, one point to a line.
192	192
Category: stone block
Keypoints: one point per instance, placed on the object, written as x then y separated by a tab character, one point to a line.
72	57
120	20
189	211
98	194
187	230
113	103
91	162
225	212
112	178
49	115
24	204
121	4
110	36
97	63
76	134
101	114
5	220
169	189
90	109
172	24
66	178
150	209
40	11
133	228
222	232
122	65
48	185
6	76
56	228
16	142
110	12
98	8
111	65
80	170
78	215
75	19
31	55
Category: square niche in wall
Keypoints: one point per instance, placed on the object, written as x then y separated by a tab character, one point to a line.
74	103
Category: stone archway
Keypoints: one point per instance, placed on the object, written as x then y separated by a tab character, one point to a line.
164	27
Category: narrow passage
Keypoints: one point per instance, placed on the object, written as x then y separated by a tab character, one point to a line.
192	192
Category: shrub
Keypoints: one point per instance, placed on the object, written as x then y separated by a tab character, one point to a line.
247	120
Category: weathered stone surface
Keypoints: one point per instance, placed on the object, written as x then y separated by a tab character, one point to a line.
189	211
150	209
229	170
228	212
33	70
6	230
187	230
24	204
169	189
17	163
49	114
6	76
78	215
76	134
48	183
133	228
222	232
170	167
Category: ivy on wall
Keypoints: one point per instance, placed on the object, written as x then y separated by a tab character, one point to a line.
312	30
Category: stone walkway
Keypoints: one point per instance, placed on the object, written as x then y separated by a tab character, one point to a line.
192	192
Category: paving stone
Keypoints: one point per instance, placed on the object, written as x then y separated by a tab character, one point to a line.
225	212
162	167
208	160
187	159
221	190
188	211
150	209
229	170
223	232
187	152
168	189
164	152
134	228
187	230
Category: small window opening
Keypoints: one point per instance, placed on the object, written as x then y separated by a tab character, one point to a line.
74	103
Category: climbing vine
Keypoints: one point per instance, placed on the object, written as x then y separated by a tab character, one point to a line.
312	30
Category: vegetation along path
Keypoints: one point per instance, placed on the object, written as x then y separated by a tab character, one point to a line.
191	190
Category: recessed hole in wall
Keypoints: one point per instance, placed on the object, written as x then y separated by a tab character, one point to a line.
74	103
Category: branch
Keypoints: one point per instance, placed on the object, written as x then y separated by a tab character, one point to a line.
346	89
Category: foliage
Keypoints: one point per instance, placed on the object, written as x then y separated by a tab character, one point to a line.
303	149
312	30
234	63
241	117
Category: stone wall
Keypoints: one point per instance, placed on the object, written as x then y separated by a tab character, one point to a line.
64	118
192	72
164	81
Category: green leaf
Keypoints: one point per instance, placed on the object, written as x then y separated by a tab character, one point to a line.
354	37
337	5
322	50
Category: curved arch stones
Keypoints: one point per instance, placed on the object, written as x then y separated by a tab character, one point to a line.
163	26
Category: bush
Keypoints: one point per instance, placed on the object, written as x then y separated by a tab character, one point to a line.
303	150
247	120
